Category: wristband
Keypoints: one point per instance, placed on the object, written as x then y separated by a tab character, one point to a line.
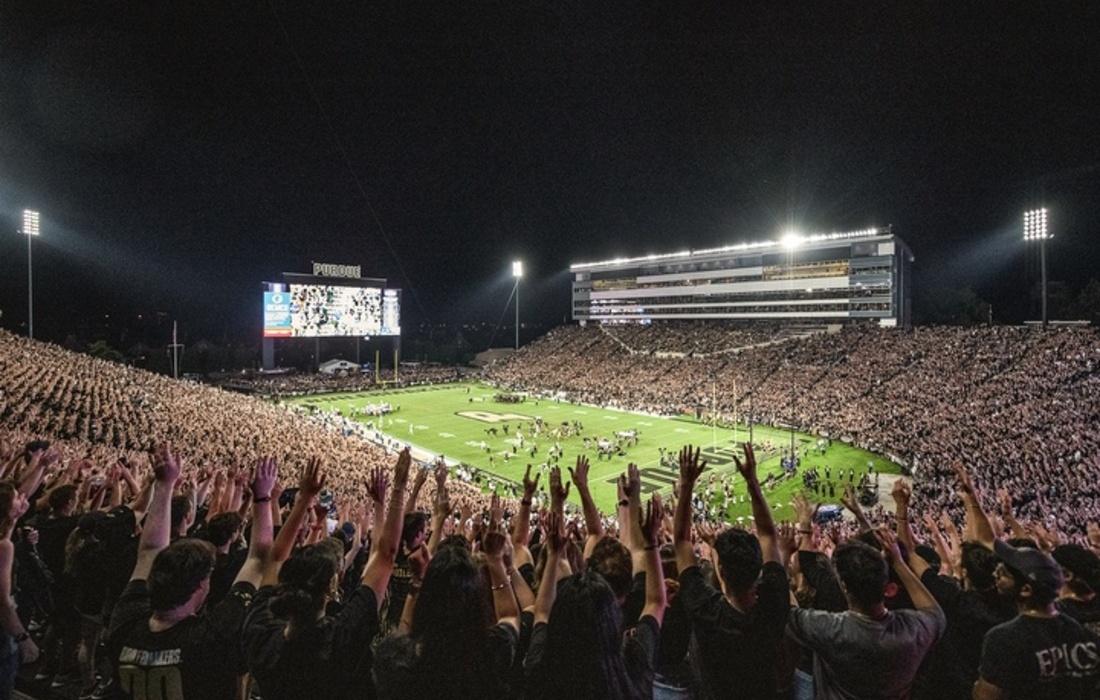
805	532
265	499
526	502
20	638
651	547
624	503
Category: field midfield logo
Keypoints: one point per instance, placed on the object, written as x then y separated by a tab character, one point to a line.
492	416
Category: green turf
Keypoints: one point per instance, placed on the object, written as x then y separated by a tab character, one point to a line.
438	427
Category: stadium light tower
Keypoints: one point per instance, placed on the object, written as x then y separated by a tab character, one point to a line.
30	230
517	272
1035	229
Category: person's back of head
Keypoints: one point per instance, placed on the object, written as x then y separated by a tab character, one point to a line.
1080	567
863	572
413	528
307	581
583	654
180	571
181	512
611	560
62	500
223	528
451	623
978	565
739	559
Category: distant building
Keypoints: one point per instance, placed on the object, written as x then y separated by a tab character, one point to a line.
825	277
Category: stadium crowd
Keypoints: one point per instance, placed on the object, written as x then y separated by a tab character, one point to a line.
283	385
1019	406
163	539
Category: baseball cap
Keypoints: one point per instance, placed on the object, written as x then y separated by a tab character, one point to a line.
1036	566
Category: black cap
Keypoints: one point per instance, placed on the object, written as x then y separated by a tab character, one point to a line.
1038	567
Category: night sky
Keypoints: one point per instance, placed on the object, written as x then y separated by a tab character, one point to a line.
181	156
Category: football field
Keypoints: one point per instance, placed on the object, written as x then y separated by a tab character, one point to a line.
464	422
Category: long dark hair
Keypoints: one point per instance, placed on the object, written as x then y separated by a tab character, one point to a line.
305	582
451	624
584	656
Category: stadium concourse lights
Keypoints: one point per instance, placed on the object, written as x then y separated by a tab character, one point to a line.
791	239
736	247
517	268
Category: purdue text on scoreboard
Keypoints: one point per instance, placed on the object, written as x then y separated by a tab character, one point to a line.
332	270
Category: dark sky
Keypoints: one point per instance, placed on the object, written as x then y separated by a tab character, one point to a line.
181	156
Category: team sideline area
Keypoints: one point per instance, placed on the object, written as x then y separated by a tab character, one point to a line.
475	425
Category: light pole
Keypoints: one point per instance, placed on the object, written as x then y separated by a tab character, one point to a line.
30	230
1035	229
791	241
517	272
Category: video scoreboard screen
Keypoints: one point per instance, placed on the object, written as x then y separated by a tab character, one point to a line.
317	311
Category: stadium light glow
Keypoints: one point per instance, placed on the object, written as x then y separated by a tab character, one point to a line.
30	222
1035	225
791	239
517	268
734	248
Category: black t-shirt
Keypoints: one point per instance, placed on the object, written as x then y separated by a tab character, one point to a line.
195	659
53	534
737	652
401	674
639	656
226	568
331	660
396	592
1042	658
1085	612
951	667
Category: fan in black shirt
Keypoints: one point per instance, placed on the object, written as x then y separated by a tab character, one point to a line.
577	648
162	644
738	629
293	649
1078	598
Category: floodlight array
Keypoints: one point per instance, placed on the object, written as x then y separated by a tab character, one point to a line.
30	222
1035	225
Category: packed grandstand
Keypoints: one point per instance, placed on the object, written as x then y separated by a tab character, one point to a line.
169	539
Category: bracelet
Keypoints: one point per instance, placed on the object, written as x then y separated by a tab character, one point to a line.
900	519
20	638
805	532
511	572
651	547
501	586
265	499
526	502
624	503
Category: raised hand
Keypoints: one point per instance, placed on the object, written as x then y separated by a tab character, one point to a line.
804	510
166	465
554	526
558	493
530	485
377	485
419	559
787	536
966	484
263	481
579	475
889	542
401	469
651	520
748	467
902	492
706	532
492	545
496	511
313	478
421	478
440	473
630	482
690	466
